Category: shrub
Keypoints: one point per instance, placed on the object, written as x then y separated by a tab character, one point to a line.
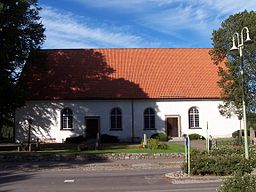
163	146
152	144
159	136
105	138
226	142
239	183
227	150
75	140
252	152
196	136
218	162
236	133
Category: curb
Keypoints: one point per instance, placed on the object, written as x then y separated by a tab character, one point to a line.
177	178
23	157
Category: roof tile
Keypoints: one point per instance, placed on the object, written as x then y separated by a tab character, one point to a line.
124	74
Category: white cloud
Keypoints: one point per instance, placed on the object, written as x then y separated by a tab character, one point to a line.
187	23
66	30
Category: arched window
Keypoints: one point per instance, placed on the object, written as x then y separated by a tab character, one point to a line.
116	119
193	115
66	119
149	118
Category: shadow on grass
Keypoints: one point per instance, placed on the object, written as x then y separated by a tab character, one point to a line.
71	158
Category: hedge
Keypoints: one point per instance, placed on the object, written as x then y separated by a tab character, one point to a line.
239	183
220	161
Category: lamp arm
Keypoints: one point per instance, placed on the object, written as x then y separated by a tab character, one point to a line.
242	34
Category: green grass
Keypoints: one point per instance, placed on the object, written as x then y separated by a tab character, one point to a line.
106	149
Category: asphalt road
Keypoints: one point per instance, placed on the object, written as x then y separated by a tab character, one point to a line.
72	180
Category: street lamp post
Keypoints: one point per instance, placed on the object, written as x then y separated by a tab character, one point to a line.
239	47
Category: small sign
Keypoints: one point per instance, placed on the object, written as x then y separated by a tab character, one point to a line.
187	142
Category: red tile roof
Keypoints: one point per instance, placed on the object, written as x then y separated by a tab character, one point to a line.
130	73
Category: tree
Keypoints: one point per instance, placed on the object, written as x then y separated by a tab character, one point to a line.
230	73
21	33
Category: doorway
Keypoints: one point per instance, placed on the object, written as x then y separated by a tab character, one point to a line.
92	125
172	126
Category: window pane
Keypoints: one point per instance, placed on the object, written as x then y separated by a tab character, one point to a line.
116	118
118	111
151	111
64	122
70	122
152	122
119	122
146	122
193	118
196	120
67	119
113	124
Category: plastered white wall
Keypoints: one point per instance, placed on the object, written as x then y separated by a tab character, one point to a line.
46	118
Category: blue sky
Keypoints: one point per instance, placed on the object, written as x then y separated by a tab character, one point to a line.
135	23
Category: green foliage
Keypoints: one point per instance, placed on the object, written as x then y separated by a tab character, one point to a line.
230	74
196	136
163	146
7	134
251	118
20	33
252	153
152	144
160	136
227	142
220	161
239	183
236	133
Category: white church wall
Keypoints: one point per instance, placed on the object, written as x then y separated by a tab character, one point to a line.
47	121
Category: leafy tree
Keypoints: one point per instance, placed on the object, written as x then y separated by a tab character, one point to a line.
21	33
230	72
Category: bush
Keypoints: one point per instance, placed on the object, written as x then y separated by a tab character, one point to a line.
105	138
152	144
239	183
159	136
163	146
196	136
226	142
75	140
218	162
236	133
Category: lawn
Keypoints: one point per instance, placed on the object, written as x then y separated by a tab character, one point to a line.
106	149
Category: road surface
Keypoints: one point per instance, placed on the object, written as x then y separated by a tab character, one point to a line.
79	179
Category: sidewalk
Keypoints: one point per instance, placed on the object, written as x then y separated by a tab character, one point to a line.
96	164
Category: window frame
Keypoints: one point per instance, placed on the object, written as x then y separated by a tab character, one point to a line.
67	115
194	118
116	114
149	118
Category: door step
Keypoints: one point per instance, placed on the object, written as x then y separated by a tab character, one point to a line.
176	139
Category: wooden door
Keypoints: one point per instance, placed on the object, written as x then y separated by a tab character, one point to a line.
172	124
92	127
